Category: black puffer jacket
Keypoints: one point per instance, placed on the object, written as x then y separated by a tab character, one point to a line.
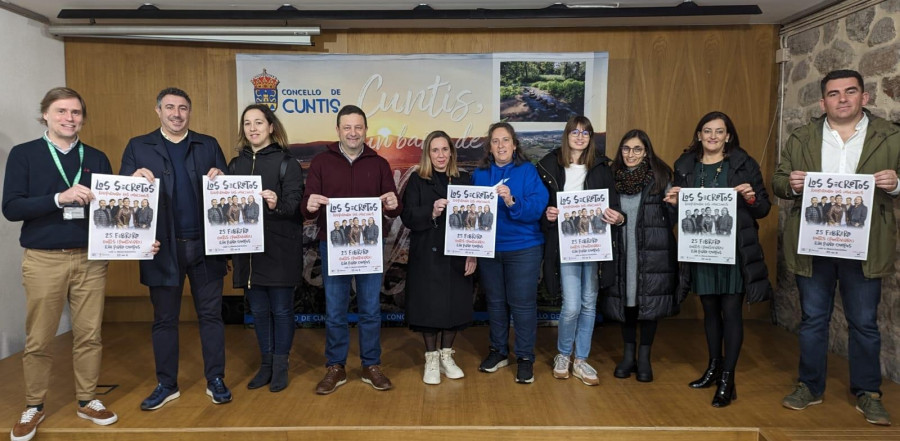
657	263
281	264
554	177
741	169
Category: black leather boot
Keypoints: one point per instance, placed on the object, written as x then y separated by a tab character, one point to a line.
710	377
628	363
644	370
264	376
279	373
726	392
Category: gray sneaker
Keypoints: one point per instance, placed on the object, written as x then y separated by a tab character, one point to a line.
801	398
869	404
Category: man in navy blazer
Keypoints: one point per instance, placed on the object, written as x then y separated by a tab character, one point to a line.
179	158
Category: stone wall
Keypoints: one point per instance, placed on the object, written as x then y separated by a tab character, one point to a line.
866	41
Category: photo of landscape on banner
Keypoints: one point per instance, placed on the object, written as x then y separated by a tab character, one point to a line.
406	97
835	215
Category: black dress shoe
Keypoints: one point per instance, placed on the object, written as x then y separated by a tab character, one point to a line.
726	392
710	377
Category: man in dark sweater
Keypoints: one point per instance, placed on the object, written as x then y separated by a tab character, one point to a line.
349	168
46	186
179	157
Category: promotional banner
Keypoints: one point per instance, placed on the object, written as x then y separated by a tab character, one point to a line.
123	218
405	97
582	232
834	220
707	227
233	221
470	223
354	236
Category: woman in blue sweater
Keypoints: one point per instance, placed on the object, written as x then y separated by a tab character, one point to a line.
510	278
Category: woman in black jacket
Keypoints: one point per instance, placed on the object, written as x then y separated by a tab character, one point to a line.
646	261
715	159
438	287
269	278
574	166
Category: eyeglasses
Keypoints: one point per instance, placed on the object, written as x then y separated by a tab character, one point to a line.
576	133
632	150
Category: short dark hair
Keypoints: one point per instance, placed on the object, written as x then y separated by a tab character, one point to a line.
172	91
842	73
350	109
60	93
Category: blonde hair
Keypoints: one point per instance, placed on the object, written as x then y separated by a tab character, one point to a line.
426	167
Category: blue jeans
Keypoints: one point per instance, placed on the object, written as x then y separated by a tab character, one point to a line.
337	303
579	308
510	284
860	299
273	317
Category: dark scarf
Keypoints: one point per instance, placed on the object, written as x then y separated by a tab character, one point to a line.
633	181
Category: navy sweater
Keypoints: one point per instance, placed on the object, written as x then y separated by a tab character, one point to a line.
29	185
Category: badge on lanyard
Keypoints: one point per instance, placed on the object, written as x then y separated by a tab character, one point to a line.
70	211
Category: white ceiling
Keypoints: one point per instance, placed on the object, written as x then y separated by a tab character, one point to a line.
774	11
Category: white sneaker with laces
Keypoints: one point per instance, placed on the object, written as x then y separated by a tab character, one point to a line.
432	368
448	365
561	367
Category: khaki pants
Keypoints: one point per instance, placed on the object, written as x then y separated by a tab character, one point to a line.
52	278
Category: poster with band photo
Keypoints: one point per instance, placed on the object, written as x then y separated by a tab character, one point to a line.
233	218
354	236
471	217
583	235
835	215
122	217
707	228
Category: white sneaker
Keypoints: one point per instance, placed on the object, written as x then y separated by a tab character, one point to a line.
561	367
448	365
432	368
584	372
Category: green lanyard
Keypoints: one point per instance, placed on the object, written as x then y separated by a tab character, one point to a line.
59	165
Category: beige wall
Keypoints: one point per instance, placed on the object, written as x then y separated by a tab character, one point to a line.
660	80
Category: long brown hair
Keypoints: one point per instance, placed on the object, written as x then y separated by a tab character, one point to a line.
278	136
662	173
589	154
426	167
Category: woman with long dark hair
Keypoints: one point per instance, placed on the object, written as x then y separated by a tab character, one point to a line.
438	287
510	278
575	166
715	159
269	278
645	266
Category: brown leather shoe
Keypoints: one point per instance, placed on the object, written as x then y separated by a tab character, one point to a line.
97	413
26	427
334	377
374	376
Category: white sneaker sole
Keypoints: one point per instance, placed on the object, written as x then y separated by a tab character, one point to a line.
369	382
211	396
453	376
98	421
502	363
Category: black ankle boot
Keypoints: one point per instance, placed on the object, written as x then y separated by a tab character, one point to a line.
628	364
644	370
279	373
264	376
726	392
710	377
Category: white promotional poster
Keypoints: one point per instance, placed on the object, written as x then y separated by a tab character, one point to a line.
706	225
583	236
233	214
123	218
354	236
835	215
470	221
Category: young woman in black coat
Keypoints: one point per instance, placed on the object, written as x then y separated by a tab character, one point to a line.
646	258
438	287
269	278
716	159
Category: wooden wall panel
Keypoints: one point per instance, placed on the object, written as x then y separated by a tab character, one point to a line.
660	79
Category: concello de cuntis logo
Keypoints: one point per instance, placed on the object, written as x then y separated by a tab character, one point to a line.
265	89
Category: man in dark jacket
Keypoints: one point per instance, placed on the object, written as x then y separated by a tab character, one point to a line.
214	214
814	215
251	211
337	235
597	224
144	216
724	223
568	228
456	222
101	215
349	168
848	139
687	224
179	157
487	218
856	213
371	233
